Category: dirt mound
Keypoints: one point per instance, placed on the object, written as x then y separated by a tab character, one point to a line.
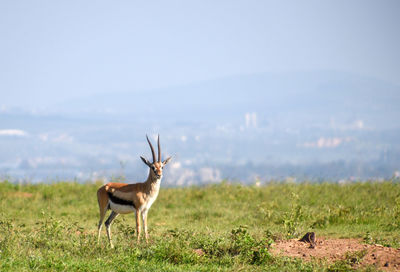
333	250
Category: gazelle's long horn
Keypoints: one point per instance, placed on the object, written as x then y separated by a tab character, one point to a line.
159	148
152	149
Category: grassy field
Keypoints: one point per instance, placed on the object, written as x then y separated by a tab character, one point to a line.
224	227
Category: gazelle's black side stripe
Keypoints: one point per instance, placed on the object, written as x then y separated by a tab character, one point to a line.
120	201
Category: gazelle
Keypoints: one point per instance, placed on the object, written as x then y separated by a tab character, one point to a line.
127	198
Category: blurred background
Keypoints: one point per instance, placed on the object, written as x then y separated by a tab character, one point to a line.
246	91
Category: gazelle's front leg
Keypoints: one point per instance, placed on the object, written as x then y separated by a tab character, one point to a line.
138	230
144	218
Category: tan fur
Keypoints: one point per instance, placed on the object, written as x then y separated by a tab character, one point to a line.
141	194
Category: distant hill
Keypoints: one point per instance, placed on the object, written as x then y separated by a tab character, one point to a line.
309	97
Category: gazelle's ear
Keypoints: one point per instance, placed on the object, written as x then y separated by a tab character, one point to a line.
166	161
145	161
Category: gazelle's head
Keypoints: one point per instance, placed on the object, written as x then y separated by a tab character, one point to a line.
156	167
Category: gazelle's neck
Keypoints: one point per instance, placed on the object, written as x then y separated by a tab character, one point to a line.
152	185
152	180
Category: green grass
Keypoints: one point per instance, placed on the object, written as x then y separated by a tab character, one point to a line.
215	228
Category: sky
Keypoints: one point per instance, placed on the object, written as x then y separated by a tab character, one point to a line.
52	51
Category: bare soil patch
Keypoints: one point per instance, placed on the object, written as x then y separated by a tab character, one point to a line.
22	194
332	250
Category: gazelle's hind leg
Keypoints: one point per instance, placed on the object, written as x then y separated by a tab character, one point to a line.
102	200
112	216
102	215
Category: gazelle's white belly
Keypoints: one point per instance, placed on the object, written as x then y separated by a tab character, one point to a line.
118	208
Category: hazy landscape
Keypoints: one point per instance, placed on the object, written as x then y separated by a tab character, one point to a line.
281	118
296	126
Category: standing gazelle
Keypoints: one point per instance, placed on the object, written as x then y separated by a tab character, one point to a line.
127	198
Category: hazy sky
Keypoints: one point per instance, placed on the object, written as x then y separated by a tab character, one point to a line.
55	50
